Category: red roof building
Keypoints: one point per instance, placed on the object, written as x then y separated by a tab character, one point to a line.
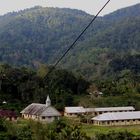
8	114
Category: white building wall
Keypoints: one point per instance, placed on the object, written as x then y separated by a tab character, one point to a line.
40	118
117	122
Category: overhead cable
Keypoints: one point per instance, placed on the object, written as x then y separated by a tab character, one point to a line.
79	36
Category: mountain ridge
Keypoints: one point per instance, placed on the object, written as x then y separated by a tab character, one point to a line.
41	35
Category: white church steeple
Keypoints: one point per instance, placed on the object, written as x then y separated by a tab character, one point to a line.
48	101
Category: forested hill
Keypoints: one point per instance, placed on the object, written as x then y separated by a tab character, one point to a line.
40	35
132	12
118	43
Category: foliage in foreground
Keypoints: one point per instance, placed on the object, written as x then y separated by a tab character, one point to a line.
112	135
58	130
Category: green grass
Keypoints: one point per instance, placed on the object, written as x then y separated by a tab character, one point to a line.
91	130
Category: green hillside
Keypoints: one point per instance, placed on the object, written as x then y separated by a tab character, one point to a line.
38	34
106	59
41	35
118	41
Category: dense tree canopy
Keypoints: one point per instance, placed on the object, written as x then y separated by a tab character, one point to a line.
21	86
40	35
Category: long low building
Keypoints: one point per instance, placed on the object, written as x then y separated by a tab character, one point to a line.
117	118
98	111
74	111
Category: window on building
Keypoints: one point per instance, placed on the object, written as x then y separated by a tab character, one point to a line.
103	123
134	120
43	117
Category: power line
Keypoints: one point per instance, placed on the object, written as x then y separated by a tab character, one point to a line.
79	36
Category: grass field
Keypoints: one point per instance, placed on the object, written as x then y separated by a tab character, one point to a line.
91	130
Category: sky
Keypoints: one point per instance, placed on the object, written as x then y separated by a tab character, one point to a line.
90	6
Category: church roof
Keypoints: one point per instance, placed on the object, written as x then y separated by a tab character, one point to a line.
40	110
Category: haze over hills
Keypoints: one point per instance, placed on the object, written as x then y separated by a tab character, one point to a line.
41	35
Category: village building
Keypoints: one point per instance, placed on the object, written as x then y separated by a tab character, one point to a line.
117	119
8	114
98	111
74	111
41	112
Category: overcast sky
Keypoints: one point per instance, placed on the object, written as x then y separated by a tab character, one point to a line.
90	6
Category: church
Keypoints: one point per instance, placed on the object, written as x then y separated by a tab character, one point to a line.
41	112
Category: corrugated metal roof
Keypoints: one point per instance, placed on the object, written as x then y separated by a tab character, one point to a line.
127	108
79	109
40	110
50	111
118	116
89	109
